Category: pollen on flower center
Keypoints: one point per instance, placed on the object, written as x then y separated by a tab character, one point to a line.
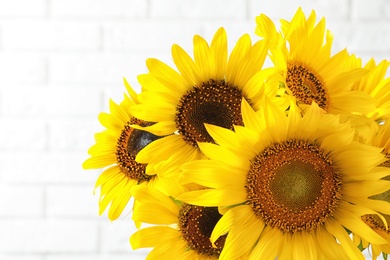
196	224
130	142
293	186
214	102
376	223
306	85
387	163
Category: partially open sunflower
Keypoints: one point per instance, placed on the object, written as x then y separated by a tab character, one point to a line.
302	51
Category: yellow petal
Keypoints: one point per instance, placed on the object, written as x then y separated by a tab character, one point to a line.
145	194
241	239
151	236
203	58
223	155
213	198
167	76
213	174
101	161
219	50
341	235
153	213
238	53
160	128
268	245
232	216
185	65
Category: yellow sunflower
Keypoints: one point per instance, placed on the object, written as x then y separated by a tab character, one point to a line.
177	230
377	85
289	186
115	149
206	89
302	51
377	224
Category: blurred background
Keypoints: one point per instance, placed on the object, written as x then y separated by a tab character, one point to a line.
60	63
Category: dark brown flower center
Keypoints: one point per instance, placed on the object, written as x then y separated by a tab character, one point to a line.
214	102
293	186
306	85
196	225
130	142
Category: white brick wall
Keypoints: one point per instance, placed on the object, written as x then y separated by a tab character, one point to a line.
60	62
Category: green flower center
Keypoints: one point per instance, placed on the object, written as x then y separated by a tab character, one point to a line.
293	186
296	185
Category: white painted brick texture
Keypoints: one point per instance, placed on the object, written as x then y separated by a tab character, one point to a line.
61	61
22	8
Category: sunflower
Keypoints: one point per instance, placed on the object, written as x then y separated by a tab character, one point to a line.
177	231
206	89
289	186
377	86
377	224
310	73
115	149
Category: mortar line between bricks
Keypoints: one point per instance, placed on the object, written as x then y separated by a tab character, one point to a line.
351	5
48	7
44	202
247	10
101	37
148	9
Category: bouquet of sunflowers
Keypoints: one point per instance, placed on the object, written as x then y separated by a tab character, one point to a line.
229	159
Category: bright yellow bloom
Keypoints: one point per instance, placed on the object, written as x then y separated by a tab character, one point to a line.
381	140
377	85
310	72
289	186
178	231
206	89
115	150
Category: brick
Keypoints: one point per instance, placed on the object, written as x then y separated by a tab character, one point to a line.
116	92
279	9
149	35
234	30
362	36
95	69
51	102
22	68
200	9
50	35
72	134
376	10
71	201
22	167
20	257
48	236
21	201
98	8
115	235
132	256
23	8
22	134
